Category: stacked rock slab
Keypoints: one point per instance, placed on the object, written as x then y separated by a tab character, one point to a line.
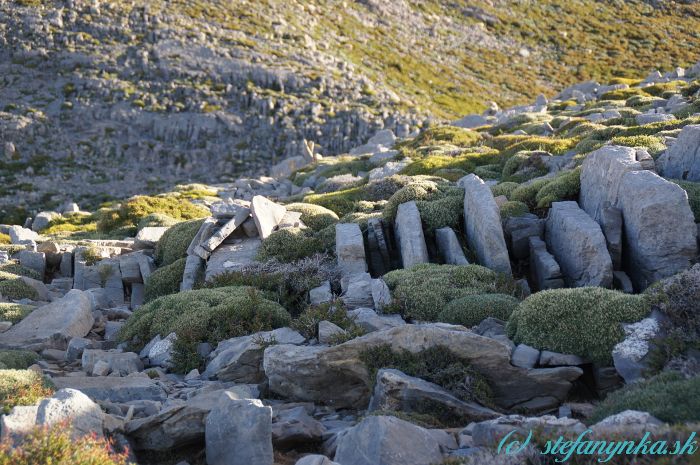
682	160
482	221
660	231
578	244
544	269
409	232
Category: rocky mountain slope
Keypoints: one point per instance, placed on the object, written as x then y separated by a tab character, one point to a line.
101	100
411	302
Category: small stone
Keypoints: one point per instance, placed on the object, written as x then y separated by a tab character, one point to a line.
525	356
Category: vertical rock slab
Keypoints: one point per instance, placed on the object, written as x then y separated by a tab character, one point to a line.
544	269
267	215
660	231
409	232
449	247
578	244
350	248
601	175
239	432
482	221
194	269
682	160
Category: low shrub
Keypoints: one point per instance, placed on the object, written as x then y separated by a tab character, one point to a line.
527	193
504	188
22	387
16	289
335	312
174	243
473	309
315	217
165	280
421	190
668	396
291	244
17	359
654	144
693	191
422	291
11	270
205	315
583	321
565	186
286	283
440	213
449	134
437	365
14	312
340	202
5	239
157	220
57	446
513	208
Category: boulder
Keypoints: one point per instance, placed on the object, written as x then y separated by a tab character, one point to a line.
294	427
395	391
231	257
660	230
33	260
381	294
239	432
449	247
114	389
409	233
489	433
160	353
682	160
121	363
240	359
370	321
350	248
601	176
52	325
180	424
321	294
194	269
148	237
315	459
337	376
43	219
482	221
629	355
525	356
328	331
628	422
357	290
20	235
267	215
73	407
382	440
578	244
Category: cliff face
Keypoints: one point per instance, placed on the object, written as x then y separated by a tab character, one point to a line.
107	99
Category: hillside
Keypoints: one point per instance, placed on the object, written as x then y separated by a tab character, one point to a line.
104	100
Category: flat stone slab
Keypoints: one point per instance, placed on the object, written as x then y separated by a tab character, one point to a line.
230	257
114	389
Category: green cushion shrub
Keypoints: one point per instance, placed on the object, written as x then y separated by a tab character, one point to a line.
291	244
315	217
668	396
473	309
17	359
14	312
156	220
422	291
174	243
447	211
205	315
504	188
165	280
565	186
422	190
22	387
341	202
585	321
16	289
12	270
513	208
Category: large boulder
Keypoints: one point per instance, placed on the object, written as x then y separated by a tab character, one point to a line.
578	244
239	432
240	359
67	405
52	325
682	160
601	176
181	423
337	376
114	389
395	391
660	230
382	440
482	220
409	232
350	248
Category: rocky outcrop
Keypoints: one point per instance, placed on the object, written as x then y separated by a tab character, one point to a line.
578	244
660	231
336	375
482	222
